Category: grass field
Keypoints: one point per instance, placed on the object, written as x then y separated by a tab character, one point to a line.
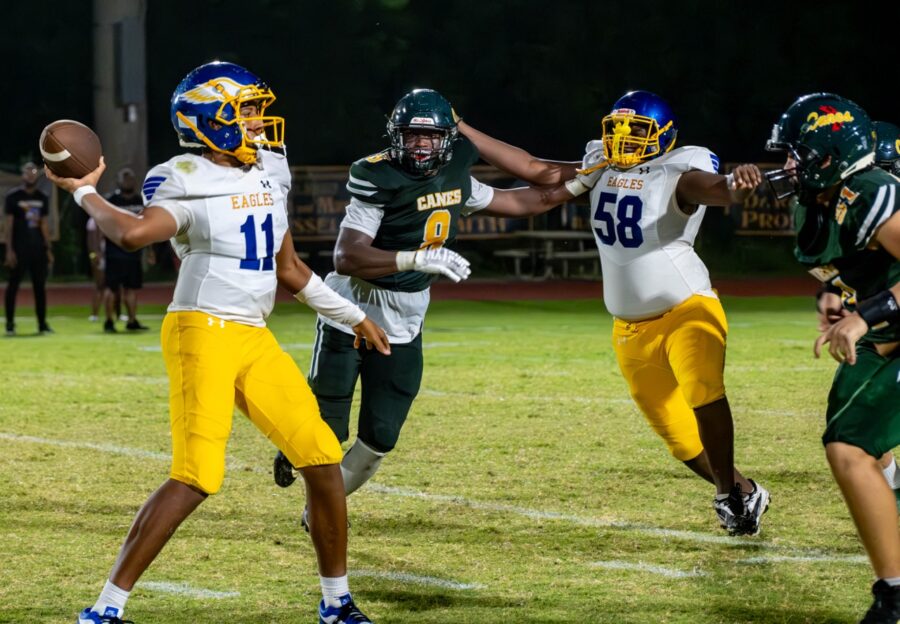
526	487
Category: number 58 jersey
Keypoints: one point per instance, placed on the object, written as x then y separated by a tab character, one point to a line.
231	222
645	239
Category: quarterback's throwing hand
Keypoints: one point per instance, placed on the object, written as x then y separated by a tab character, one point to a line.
71	184
373	335
443	261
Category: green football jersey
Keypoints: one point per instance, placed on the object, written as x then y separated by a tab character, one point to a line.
420	212
836	241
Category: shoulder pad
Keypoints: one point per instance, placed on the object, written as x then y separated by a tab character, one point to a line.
374	179
165	181
689	157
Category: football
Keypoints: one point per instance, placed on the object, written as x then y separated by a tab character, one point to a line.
70	149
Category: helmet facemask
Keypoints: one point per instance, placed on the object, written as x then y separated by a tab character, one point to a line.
420	155
630	139
268	130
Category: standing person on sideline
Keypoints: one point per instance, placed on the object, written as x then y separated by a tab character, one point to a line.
226	211
406	202
647	202
124	269
848	236
96	246
27	246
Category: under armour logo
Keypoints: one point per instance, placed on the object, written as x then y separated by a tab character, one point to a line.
211	321
266	184
642	170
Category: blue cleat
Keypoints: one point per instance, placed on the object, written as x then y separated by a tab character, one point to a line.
341	611
110	616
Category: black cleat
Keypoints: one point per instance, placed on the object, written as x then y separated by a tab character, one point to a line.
886	607
135	325
109	326
283	471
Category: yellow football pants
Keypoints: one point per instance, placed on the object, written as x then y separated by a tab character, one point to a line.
214	364
674	363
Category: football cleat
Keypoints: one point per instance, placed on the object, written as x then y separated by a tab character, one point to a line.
341	610
756	504
886	607
109	326
110	616
731	511
283	471
135	325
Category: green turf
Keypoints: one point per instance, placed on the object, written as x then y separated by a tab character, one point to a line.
522	471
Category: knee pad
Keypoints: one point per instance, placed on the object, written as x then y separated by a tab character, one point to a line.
358	465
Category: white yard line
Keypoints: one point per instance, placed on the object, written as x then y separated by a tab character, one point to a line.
646	567
183	589
416	579
804	559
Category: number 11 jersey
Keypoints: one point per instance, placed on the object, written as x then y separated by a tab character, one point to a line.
645	239
231	222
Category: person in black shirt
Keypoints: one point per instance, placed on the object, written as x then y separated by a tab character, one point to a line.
123	268
27	246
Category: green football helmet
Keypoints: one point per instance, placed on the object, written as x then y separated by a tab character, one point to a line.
887	147
828	136
422	111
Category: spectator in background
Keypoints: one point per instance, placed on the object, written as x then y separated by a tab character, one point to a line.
96	245
27	246
123	268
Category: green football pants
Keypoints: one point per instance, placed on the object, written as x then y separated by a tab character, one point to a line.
389	384
864	402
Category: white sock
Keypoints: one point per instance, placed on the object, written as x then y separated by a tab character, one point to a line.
893	581
334	587
359	465
111	597
890	473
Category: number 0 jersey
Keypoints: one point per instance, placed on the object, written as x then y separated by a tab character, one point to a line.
231	222
646	241
402	212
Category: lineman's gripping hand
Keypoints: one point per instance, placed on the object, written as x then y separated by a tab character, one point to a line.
442	261
373	335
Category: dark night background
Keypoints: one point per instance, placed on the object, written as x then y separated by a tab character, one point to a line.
537	74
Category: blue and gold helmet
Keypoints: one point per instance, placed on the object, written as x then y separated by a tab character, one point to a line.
887	146
206	107
640	126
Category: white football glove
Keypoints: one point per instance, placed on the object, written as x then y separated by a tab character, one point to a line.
442	261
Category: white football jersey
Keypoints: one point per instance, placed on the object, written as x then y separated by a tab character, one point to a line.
646	242
231	221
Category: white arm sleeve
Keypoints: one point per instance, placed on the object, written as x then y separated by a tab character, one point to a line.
329	304
363	217
481	197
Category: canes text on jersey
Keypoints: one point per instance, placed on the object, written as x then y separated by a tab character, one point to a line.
251	200
439	200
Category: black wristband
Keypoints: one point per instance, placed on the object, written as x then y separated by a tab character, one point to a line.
880	308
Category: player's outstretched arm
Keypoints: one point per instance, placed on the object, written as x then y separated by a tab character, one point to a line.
308	288
711	189
517	162
125	229
354	255
526	202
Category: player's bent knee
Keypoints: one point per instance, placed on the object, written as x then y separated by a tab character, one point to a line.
684	450
315	444
202	484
